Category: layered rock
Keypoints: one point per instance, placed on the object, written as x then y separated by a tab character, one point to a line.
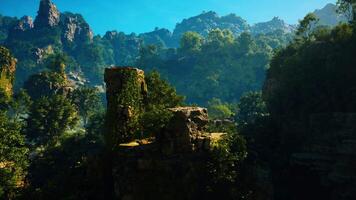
47	15
7	70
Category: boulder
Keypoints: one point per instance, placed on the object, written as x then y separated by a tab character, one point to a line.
185	131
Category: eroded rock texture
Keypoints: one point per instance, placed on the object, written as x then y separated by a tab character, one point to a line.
7	70
48	15
76	29
184	132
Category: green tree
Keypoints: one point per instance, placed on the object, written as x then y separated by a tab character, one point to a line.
20	105
219	110
348	7
190	43
306	25
57	62
250	108
87	101
13	157
160	96
49	118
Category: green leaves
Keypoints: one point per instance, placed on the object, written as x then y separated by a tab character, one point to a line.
49	118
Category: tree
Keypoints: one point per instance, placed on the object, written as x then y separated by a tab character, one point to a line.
13	157
49	118
87	100
57	63
190	43
250	108
20	105
219	110
160	96
306	25
348	7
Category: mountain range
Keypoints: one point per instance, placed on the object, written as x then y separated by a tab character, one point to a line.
52	31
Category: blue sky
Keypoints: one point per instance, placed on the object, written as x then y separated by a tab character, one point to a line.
144	15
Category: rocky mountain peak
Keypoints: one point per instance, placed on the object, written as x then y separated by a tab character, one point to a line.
25	23
76	28
47	15
273	25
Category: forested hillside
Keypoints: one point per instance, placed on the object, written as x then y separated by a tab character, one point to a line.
279	122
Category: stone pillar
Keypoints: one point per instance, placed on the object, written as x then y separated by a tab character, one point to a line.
125	92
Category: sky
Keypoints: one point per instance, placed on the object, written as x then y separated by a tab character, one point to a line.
144	15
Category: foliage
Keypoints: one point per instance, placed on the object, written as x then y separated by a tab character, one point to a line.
221	65
160	96
226	157
298	73
219	110
190	43
20	105
348	7
250	108
66	171
45	84
87	101
306	25
13	157
49	118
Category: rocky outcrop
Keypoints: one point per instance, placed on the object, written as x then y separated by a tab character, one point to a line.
124	47
170	166
24	24
125	93
160	37
185	131
7	70
47	15
75	29
207	21
272	26
328	16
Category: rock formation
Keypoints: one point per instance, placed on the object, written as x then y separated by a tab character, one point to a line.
48	15
76	29
184	133
24	24
126	92
171	166
7	70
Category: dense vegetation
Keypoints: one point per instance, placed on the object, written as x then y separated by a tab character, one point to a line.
262	89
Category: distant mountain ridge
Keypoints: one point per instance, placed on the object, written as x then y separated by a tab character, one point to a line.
52	31
328	15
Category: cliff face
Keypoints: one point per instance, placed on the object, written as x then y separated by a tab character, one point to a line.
7	70
330	155
75	28
271	26
48	15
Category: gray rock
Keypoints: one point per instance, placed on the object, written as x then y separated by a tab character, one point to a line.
47	15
